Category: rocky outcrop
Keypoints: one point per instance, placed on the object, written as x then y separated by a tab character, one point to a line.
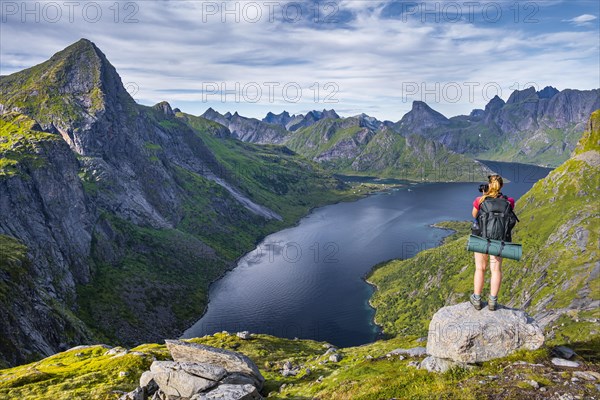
200	372
462	334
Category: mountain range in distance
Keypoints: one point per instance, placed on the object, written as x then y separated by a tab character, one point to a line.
533	127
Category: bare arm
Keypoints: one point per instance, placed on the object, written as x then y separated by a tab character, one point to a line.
474	212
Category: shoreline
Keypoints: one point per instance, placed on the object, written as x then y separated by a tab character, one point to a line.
351	198
382	334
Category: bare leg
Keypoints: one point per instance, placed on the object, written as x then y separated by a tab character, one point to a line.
480	266
496	267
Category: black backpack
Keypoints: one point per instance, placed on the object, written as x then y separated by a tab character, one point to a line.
496	218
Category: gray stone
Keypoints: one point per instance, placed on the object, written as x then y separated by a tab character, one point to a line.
335	357
587	375
435	364
245	335
116	351
287	365
289	372
231	392
203	370
237	378
137	394
563	352
229	360
534	384
148	383
330	350
414	364
414	352
463	334
561	362
180	383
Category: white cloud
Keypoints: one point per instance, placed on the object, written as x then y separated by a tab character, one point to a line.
177	48
582	19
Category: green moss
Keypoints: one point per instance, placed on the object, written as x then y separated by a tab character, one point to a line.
21	142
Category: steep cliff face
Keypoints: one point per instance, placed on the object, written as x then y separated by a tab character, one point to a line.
125	211
557	279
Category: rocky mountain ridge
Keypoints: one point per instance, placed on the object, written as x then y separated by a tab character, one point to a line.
536	127
115	213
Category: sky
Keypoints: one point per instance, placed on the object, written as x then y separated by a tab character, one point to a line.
373	57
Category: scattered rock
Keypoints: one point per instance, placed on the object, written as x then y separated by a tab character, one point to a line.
137	394
564	363
329	346
245	335
534	384
563	352
390	355
335	357
229	360
414	364
587	375
289	372
463	334
422	339
123	373
307	371
435	364
231	392
116	351
287	365
566	396
414	352
330	350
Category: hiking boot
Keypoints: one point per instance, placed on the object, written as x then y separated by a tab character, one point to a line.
492	303
476	301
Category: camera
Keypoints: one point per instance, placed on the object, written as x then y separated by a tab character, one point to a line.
484	187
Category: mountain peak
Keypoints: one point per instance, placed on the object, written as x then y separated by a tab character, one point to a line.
548	92
89	86
420	118
165	108
519	96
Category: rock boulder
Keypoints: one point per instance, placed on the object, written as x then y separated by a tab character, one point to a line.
462	334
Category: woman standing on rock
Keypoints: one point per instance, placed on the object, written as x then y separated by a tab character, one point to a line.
490	191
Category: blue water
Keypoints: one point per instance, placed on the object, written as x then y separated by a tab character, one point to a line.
307	281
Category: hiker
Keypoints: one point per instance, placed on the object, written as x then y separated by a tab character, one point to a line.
490	191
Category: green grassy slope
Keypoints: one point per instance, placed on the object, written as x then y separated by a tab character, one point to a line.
365	372
20	140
